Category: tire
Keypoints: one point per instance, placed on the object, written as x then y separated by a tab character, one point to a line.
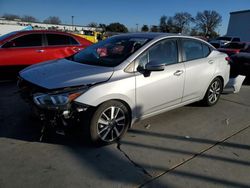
213	92
109	123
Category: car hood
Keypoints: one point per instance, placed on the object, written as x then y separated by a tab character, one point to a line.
65	73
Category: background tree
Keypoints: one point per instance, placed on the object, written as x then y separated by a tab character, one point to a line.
27	18
117	27
154	28
163	24
52	20
171	25
181	21
93	24
11	16
103	26
145	28
207	22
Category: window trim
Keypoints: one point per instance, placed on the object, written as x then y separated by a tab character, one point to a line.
60	45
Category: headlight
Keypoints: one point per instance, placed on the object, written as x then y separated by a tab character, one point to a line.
55	99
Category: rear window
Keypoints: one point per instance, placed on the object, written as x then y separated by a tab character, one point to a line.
234	45
206	50
57	39
224	38
236	39
194	49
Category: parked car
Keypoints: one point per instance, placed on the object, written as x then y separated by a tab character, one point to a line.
124	79
22	48
246	49
233	47
240	64
222	41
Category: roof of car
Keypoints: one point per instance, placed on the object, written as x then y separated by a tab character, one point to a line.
150	35
39	31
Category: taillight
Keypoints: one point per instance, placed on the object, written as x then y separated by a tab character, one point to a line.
228	59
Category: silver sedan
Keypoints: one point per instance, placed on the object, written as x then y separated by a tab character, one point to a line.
126	78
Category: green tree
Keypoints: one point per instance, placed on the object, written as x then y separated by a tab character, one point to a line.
117	27
27	18
163	24
145	28
171	26
11	16
181	21
207	22
154	28
93	24
103	26
52	20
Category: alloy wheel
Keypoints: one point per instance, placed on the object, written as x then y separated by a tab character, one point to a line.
111	124
214	92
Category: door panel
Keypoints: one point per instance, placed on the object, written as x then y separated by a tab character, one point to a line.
159	90
21	56
60	46
55	52
23	50
198	75
199	67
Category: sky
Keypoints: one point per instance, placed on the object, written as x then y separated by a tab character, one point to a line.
127	12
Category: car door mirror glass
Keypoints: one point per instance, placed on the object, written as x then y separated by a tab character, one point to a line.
154	66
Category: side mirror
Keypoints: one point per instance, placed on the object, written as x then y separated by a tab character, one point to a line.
153	66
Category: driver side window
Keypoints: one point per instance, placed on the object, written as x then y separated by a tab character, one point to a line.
164	52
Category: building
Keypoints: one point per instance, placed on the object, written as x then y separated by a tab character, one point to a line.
239	25
7	26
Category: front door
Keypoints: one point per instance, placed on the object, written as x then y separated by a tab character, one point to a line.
158	90
24	50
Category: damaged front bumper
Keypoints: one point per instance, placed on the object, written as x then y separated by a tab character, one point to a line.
55	107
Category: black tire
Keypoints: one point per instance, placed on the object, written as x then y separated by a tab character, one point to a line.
105	128
213	92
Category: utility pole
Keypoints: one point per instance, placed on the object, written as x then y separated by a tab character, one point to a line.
137	27
72	19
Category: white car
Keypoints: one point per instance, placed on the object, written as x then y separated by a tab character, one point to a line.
126	78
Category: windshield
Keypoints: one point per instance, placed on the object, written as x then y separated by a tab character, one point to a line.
2	37
110	52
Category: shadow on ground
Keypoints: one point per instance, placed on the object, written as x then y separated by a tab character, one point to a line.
111	162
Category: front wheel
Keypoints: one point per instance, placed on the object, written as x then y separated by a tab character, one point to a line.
213	92
109	122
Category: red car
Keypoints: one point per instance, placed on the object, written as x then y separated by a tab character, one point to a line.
233	47
23	48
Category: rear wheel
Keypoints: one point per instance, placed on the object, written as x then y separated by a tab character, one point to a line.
213	92
109	122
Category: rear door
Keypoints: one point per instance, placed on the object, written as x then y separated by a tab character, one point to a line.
60	45
200	68
24	50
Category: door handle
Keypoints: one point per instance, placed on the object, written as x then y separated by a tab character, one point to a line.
76	49
210	61
40	51
178	72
